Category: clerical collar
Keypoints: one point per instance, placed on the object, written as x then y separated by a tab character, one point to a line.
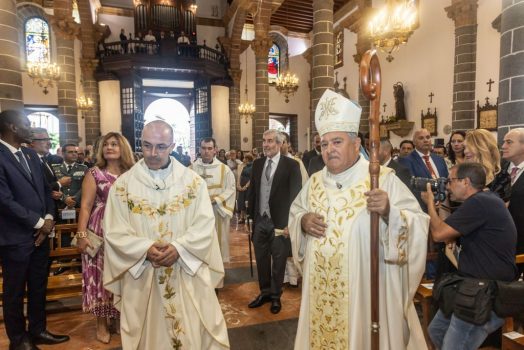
211	162
161	173
339	179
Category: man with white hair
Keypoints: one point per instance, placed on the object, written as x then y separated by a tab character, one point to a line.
329	226
274	184
162	259
513	151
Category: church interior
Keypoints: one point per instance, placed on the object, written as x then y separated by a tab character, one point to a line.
231	69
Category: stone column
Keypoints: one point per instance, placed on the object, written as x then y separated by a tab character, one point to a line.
89	64
511	79
66	29
323	53
261	117
234	102
464	14
10	76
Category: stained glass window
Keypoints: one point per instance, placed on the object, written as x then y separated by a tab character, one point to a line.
273	63
37	40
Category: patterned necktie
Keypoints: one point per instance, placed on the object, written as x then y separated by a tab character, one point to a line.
268	169
513	174
69	168
23	162
430	167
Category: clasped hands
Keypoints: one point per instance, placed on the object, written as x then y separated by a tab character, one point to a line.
44	231
377	202
162	254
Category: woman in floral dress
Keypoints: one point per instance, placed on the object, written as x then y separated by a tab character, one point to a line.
114	157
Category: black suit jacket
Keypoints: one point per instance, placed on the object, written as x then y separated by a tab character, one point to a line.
315	164
401	171
24	199
306	158
287	182
516	208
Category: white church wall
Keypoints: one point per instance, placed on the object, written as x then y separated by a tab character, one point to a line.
350	68
116	23
110	113
488	52
209	34
210	8
220	115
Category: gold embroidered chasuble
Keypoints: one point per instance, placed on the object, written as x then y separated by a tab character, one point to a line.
164	308
221	186
335	306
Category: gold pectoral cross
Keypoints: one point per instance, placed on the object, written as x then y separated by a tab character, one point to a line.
205	175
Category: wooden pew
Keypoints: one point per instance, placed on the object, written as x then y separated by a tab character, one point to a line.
508	343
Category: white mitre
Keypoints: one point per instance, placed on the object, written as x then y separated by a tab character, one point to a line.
336	113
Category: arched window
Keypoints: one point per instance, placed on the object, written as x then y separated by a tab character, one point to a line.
273	63
36	35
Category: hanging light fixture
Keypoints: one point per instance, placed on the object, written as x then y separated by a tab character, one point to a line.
287	83
84	104
393	25
246	109
193	7
44	74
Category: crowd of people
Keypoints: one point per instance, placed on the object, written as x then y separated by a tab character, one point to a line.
164	222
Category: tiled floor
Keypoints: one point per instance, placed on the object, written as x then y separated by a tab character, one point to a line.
248	328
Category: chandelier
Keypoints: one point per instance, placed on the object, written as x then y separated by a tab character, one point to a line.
84	103
246	109
44	74
393	25
287	84
193	8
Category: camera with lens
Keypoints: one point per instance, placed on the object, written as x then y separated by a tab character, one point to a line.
438	186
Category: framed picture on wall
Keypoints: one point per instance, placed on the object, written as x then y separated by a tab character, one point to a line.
429	121
487	115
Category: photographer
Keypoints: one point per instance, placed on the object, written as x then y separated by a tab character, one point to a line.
488	237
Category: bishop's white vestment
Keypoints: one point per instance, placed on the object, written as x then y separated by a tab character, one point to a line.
164	308
221	186
335	307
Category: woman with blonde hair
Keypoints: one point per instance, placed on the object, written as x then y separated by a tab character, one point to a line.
114	157
481	146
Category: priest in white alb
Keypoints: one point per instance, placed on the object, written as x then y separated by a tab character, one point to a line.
329	226
221	186
162	259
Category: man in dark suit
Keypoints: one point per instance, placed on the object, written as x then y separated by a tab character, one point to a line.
315	164
385	159
41	143
275	182
306	158
421	163
513	151
26	219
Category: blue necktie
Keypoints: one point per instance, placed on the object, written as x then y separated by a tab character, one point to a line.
23	162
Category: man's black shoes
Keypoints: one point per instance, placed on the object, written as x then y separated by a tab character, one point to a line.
49	338
259	301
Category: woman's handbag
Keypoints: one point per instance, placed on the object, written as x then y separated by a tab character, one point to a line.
95	241
509	301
